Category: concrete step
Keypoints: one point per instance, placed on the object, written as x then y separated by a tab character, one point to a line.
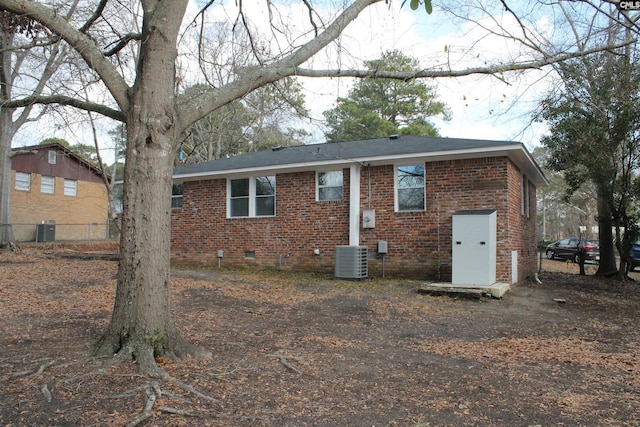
497	290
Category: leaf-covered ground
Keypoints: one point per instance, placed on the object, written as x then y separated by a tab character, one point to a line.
306	350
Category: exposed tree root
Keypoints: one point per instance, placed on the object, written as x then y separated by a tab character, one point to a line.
40	370
45	366
126	394
231	369
46	393
152	390
283	359
190	389
153	393
9	246
182	412
144	351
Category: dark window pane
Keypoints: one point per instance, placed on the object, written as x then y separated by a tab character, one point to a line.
240	207
411	199
265	185
330	193
176	196
265	206
239	187
411	176
330	185
330	179
176	202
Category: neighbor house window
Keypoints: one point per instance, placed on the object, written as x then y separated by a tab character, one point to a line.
52	157
176	196
329	185
249	197
410	188
47	185
23	181
70	187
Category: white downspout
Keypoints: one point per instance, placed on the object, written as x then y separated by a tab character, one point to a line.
354	205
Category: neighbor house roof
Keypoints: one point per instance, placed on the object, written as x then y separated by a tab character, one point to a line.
371	152
33	149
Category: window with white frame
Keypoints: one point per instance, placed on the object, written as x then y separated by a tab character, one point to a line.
47	184
410	188
251	197
239	197
23	181
52	157
329	185
176	196
70	187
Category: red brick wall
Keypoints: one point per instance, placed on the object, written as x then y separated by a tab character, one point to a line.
522	227
301	224
419	242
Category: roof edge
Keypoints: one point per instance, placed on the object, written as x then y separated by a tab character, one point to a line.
516	151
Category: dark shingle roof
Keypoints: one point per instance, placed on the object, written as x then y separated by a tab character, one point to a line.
372	151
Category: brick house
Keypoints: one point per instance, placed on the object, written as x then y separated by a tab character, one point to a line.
50	184
395	197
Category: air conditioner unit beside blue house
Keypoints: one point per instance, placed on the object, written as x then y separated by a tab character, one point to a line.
351	262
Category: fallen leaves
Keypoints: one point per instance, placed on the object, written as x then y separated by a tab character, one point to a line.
293	349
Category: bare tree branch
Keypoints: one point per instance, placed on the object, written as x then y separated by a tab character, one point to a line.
96	15
66	100
255	77
83	44
628	20
493	69
311	12
124	40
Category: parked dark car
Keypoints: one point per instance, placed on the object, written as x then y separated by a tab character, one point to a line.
568	249
634	255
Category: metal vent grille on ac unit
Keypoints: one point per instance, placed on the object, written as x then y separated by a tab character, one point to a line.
351	262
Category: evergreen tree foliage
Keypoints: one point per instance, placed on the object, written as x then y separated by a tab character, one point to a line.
378	107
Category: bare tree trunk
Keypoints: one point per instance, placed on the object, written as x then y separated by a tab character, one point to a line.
218	146
141	326
6	135
607	265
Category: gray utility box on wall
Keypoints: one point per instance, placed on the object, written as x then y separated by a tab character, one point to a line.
45	233
351	262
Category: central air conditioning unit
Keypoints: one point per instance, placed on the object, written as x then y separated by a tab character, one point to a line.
351	262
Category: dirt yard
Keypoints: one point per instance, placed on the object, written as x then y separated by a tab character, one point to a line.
303	350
